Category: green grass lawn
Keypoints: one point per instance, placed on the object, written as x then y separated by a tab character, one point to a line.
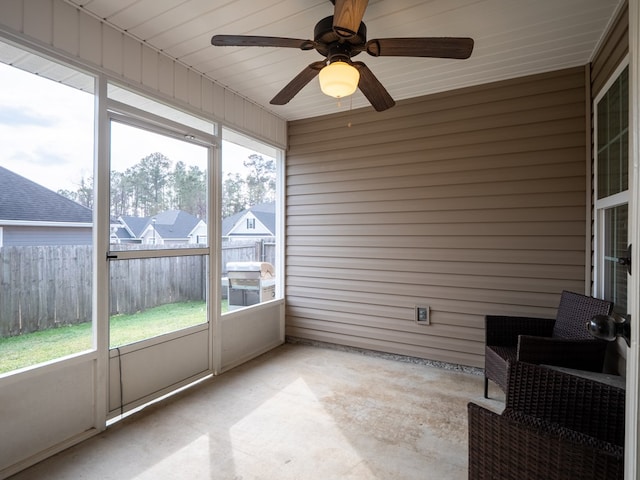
32	348
37	347
125	329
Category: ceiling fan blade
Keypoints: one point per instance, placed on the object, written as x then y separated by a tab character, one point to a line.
347	16
438	47
371	87
295	85
258	41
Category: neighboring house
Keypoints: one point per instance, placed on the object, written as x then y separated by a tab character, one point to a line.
167	228
257	222
32	215
126	229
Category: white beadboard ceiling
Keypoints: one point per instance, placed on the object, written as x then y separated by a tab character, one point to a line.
512	38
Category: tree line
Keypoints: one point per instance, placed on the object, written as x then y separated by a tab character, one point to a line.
154	185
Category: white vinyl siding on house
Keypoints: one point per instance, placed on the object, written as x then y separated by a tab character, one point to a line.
199	234
470	202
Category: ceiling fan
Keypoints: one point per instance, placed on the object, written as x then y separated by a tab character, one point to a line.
341	37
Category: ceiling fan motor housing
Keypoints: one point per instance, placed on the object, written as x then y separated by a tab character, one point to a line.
329	42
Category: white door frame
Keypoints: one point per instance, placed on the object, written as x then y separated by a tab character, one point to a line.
633	370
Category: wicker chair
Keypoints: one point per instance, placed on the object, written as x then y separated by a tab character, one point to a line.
555	426
563	341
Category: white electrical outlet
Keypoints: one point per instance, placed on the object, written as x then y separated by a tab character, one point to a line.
422	315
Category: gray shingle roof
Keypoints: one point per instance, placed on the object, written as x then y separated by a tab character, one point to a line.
122	233
175	223
136	224
265	212
24	200
169	224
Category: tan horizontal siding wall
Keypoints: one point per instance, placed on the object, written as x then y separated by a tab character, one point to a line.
470	202
612	51
73	33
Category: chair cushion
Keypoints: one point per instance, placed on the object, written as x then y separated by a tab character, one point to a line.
496	359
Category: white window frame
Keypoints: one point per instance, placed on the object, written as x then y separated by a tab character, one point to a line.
603	204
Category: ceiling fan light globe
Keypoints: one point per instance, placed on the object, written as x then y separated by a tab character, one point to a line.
339	79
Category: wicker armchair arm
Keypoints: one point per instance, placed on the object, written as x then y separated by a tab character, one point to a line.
577	403
579	354
503	330
520	446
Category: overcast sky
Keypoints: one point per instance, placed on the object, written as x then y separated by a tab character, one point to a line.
46	129
46	134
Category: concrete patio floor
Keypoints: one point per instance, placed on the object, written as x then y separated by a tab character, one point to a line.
298	412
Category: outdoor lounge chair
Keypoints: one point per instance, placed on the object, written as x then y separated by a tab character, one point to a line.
563	341
555	426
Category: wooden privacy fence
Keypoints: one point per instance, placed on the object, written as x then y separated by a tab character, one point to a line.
50	286
140	284
43	287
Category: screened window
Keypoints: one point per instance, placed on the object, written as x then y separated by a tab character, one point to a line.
46	209
158	190
616	233
250	212
613	138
